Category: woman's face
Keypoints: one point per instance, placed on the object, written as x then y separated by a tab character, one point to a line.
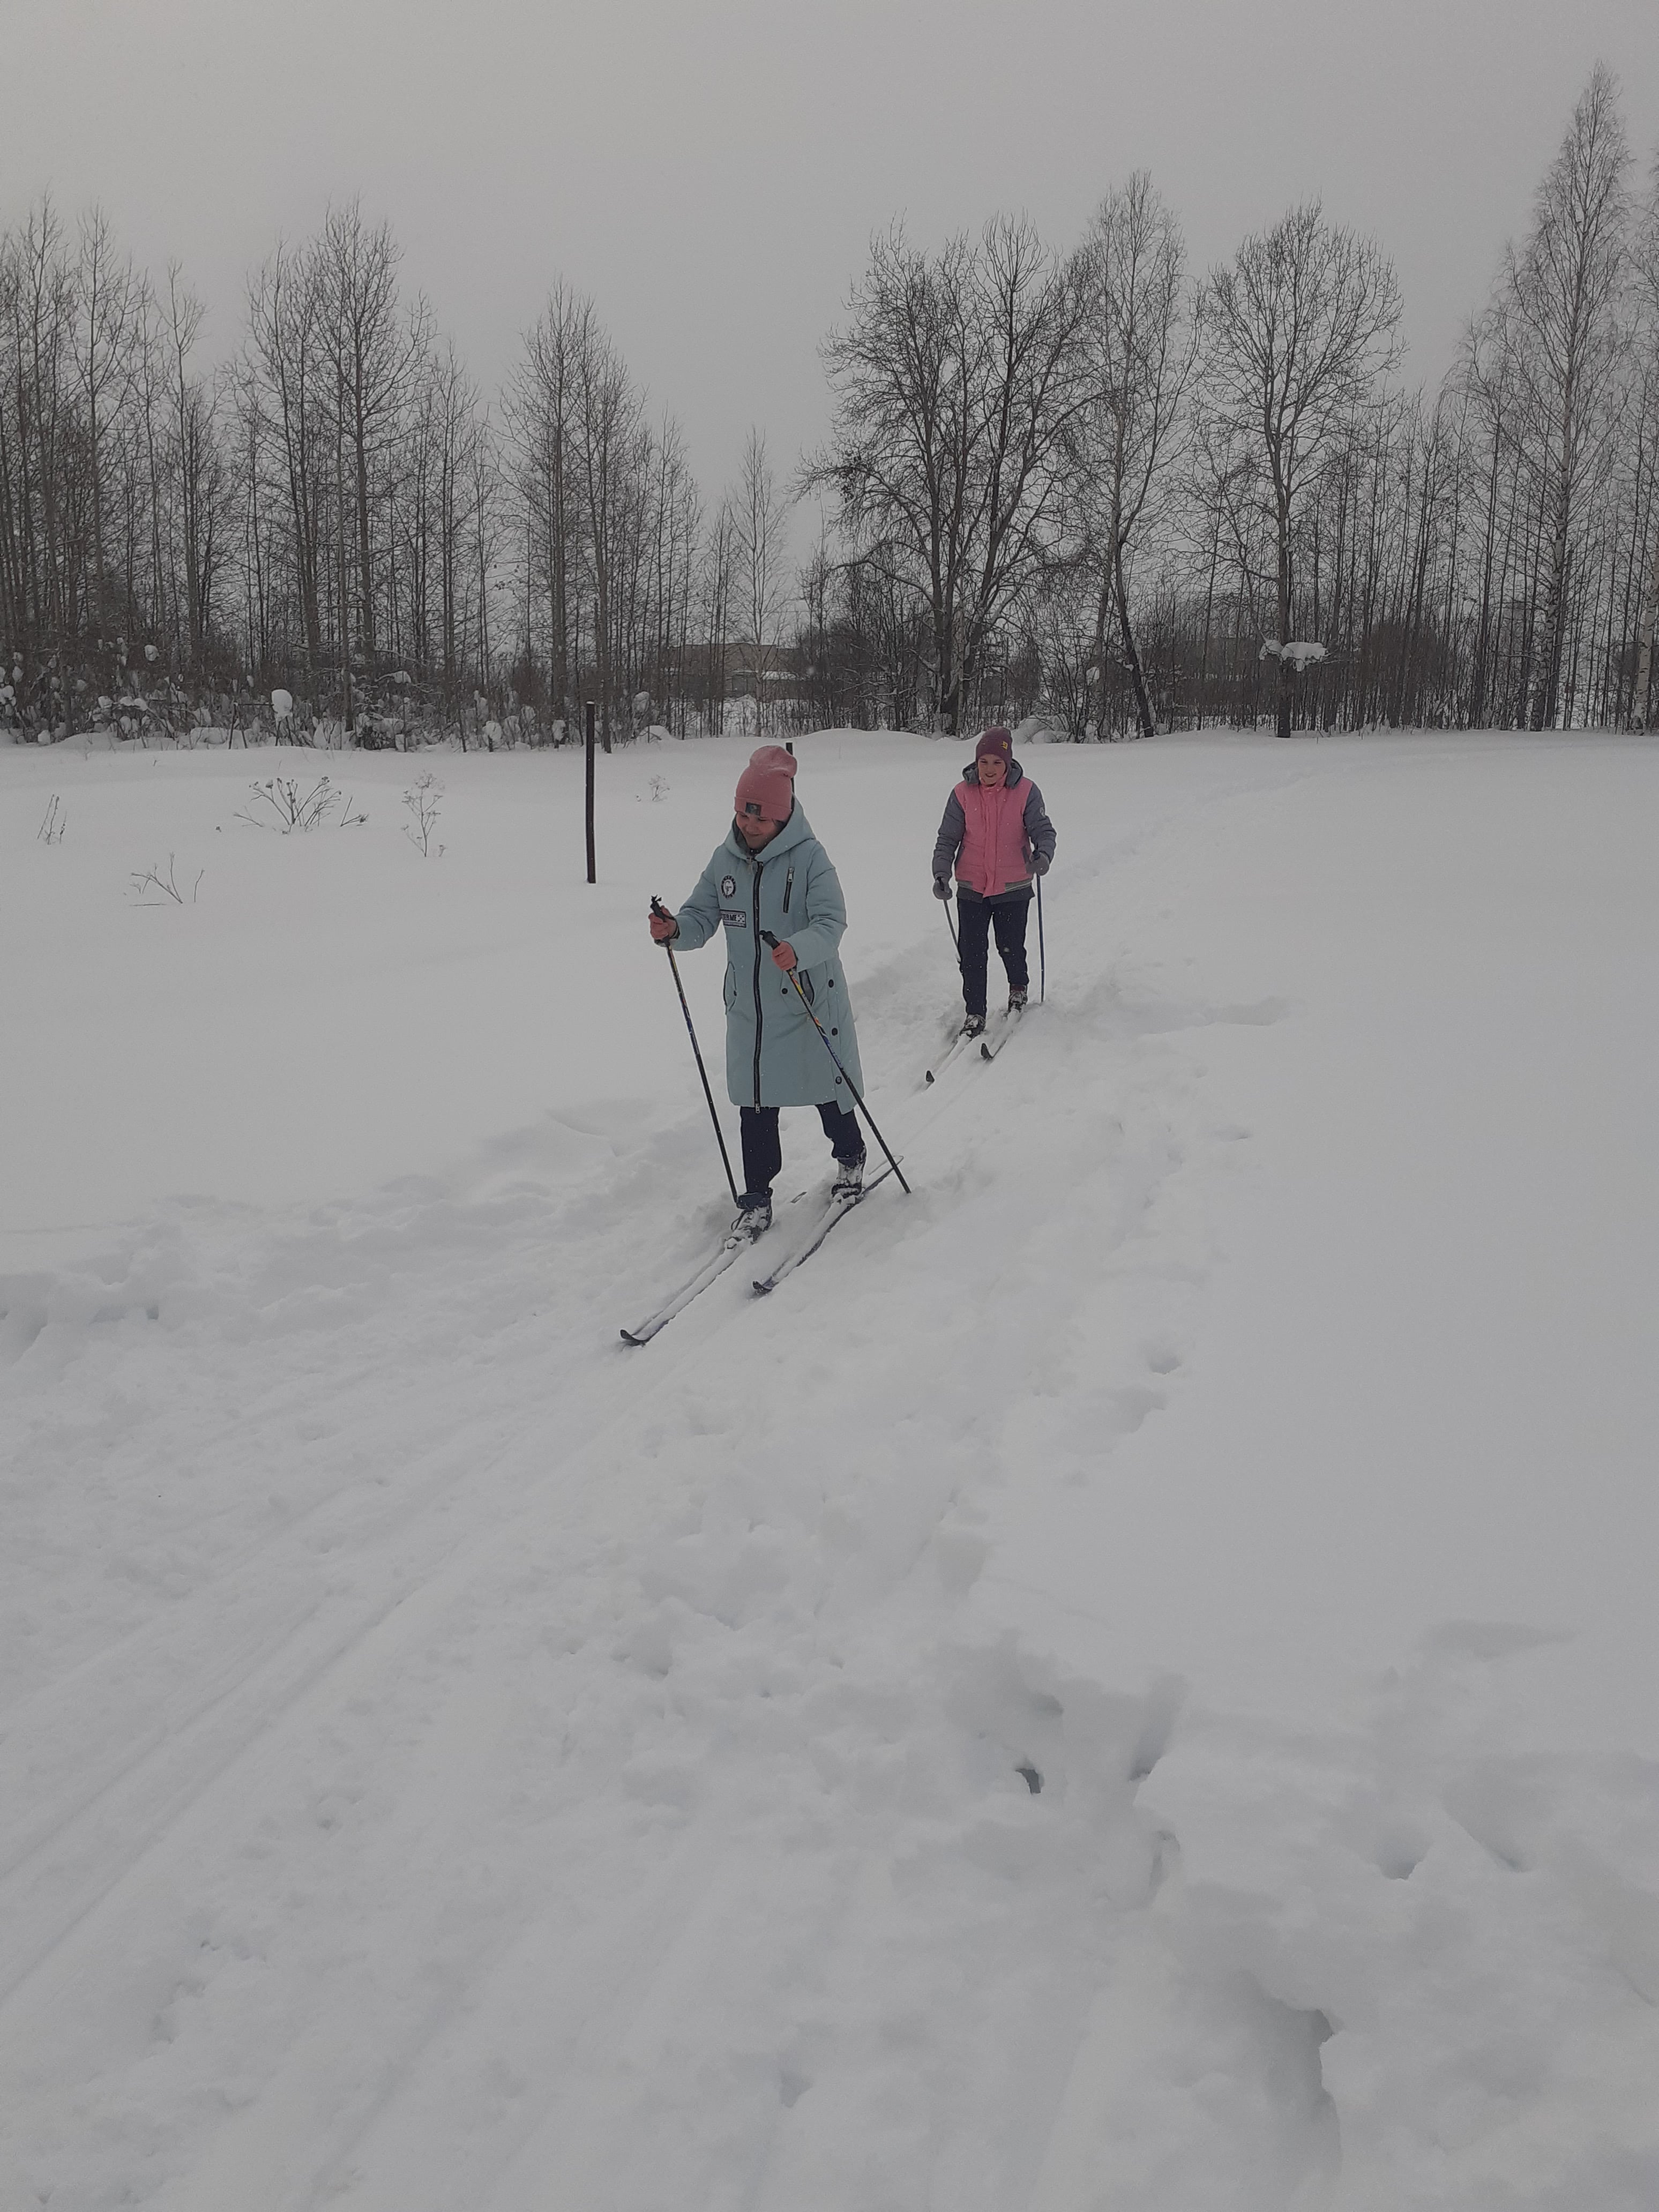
755	830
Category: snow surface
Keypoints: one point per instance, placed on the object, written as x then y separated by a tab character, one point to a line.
1128	1683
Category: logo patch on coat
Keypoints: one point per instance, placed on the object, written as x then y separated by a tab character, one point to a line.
734	917
728	887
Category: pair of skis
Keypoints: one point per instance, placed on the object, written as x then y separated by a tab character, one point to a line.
990	1042
733	1249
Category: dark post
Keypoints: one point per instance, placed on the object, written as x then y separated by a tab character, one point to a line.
592	873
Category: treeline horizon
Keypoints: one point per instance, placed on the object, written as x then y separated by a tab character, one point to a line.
1086	485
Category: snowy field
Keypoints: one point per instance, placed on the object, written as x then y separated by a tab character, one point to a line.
1128	1685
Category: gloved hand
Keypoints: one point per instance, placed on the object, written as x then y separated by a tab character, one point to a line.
941	887
1040	864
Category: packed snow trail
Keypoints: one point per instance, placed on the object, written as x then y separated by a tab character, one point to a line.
451	1759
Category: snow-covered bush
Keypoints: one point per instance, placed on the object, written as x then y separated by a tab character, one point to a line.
1039	729
1301	653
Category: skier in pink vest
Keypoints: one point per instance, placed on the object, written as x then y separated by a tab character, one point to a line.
999	840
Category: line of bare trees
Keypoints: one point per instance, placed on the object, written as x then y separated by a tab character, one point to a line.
1084	484
337	512
1087	486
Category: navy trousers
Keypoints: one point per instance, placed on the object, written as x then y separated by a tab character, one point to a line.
976	919
762	1154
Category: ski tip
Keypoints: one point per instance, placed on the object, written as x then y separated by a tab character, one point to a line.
764	1289
985	1052
930	1075
629	1337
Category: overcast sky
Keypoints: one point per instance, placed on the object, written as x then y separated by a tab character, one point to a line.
711	171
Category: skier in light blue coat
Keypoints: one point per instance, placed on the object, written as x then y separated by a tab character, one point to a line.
772	875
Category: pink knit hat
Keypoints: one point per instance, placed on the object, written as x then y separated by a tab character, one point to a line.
766	789
995	741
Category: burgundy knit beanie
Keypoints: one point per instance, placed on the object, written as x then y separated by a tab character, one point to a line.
998	742
766	789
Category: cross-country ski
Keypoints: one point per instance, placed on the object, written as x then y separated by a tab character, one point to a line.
836	1212
992	1042
960	1047
732	1249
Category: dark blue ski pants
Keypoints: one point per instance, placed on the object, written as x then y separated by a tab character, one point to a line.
762	1154
976	919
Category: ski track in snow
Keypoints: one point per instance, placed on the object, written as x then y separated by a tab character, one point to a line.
452	1759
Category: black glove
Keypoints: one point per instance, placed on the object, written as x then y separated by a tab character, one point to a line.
941	887
1040	864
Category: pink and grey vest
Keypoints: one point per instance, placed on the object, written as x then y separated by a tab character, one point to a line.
995	856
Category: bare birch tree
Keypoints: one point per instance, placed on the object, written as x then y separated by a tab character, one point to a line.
108	295
676	522
286	391
195	464
1563	291
610	437
954	384
1647	341
375	355
540	406
763	590
1137	340
716	572
1299	330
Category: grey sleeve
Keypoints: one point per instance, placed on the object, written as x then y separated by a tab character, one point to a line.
1038	827
952	827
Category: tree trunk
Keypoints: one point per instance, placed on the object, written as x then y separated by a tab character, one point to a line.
1131	651
1286	694
1642	701
1547	689
1102	693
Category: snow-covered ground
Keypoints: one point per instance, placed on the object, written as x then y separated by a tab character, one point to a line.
1127	1686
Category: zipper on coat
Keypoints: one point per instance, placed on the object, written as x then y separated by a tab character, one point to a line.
759	1016
788	886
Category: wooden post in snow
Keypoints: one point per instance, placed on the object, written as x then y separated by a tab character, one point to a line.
592	873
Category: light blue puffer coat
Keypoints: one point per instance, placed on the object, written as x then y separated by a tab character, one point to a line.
773	1055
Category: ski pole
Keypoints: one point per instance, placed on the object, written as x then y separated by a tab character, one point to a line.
1043	956
658	907
767	938
955	946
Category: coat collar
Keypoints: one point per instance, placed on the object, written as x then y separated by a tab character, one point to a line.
795	831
